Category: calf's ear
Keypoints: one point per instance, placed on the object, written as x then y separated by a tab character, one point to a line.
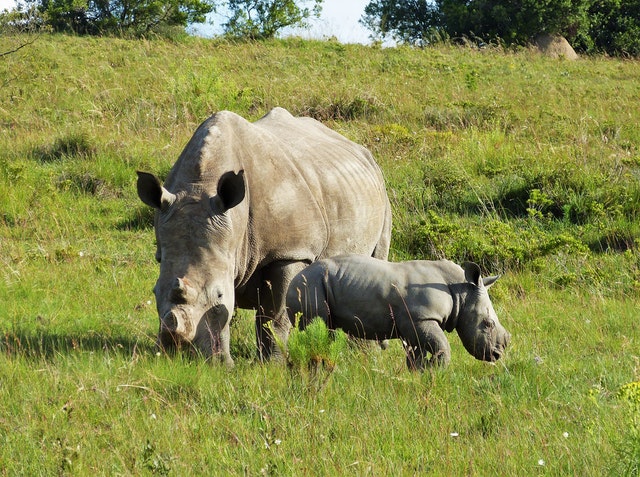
472	273
151	192
231	191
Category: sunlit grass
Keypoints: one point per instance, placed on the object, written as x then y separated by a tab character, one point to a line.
526	164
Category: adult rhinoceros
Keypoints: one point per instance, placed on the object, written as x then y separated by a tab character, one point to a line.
416	301
244	209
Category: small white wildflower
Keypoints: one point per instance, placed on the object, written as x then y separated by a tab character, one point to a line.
277	442
158	353
153	416
565	435
541	462
321	411
81	253
454	434
538	360
148	302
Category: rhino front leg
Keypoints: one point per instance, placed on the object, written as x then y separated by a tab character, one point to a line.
272	315
424	338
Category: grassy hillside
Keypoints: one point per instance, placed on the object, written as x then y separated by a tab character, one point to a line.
527	165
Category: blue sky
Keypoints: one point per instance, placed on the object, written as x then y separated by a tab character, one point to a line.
339	18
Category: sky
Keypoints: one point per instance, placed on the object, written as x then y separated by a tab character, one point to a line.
339	18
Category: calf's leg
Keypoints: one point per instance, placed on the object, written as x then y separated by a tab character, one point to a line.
423	338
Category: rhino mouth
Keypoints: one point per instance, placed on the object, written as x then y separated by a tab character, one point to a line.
171	342
493	355
177	334
204	346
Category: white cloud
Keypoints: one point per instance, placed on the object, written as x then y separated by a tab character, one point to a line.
7	4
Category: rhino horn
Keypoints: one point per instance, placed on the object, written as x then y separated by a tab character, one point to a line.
182	292
152	193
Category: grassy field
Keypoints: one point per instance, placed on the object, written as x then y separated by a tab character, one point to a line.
529	166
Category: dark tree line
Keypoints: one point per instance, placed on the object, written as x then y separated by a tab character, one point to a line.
610	26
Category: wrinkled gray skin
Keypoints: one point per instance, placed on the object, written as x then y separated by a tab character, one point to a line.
415	301
243	210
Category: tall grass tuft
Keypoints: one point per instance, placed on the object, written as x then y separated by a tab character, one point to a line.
315	347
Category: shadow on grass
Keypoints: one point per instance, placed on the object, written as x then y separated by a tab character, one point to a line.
48	345
140	218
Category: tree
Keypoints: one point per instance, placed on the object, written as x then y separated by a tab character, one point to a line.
513	22
22	28
612	26
411	22
261	19
616	26
131	17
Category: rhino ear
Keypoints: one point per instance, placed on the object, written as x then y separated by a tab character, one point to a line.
488	281
231	191
472	273
152	193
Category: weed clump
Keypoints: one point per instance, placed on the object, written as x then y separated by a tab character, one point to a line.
341	109
75	145
315	347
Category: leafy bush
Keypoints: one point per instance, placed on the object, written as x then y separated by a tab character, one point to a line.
493	243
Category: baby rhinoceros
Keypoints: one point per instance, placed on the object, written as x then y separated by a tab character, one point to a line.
415	301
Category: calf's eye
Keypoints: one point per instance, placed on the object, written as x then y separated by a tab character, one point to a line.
487	323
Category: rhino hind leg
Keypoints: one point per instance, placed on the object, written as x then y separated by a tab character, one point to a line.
423	339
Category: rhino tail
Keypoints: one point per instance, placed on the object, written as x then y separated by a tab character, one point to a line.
381	250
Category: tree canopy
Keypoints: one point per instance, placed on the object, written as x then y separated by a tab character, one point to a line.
97	17
611	26
260	19
248	19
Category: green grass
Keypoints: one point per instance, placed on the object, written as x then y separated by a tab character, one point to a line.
527	165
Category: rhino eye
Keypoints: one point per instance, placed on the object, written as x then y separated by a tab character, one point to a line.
487	323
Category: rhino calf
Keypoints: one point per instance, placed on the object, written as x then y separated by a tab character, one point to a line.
415	301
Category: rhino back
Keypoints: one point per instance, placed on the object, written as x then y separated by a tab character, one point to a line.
308	188
365	286
333	177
